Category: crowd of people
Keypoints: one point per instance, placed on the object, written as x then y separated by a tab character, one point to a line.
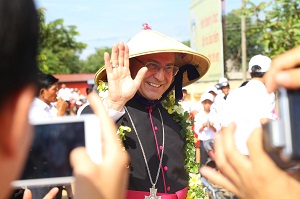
73	97
139	80
245	106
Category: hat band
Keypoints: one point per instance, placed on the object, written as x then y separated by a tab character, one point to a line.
192	73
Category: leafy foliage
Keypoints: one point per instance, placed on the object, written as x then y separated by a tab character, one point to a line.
95	61
233	38
277	24
280	29
58	49
192	167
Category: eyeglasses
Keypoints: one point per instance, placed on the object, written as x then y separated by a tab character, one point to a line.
154	67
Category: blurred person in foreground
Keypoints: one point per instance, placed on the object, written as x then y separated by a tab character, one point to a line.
247	105
258	177
18	76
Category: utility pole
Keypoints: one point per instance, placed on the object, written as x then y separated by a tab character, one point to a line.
224	36
244	46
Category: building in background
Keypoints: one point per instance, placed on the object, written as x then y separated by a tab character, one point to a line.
80	81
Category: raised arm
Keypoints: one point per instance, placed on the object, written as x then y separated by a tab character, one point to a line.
121	86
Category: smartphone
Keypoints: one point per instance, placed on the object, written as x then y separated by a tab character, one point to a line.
281	138
48	159
291	125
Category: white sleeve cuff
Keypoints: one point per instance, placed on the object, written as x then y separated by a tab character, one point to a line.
115	115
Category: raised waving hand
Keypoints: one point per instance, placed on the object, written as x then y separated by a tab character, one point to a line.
121	86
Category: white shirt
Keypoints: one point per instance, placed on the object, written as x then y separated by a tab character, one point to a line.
246	106
65	94
186	105
40	109
202	117
219	104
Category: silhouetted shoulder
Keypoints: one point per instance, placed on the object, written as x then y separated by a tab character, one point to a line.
87	110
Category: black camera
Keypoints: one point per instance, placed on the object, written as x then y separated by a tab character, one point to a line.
281	138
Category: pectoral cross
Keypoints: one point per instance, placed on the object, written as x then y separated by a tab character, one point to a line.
153	194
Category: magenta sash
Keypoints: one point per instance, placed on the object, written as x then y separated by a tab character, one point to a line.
181	194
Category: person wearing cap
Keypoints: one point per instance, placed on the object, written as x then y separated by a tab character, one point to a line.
140	75
214	91
224	86
247	105
198	106
205	126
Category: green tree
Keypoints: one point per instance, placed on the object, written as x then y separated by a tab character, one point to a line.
233	38
280	29
95	61
58	49
187	43
278	23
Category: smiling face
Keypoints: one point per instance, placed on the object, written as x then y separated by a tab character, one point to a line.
154	84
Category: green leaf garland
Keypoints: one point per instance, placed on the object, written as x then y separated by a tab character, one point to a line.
173	107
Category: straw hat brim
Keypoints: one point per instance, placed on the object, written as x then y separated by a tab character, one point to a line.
151	42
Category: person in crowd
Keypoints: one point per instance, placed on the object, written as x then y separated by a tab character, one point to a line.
140	75
184	102
89	89
81	98
46	95
206	126
19	33
258	177
75	94
224	86
65	93
85	107
42	107
198	105
247	105
212	90
219	101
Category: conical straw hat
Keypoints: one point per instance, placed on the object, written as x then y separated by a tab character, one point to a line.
150	42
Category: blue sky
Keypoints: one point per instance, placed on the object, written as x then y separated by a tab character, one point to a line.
105	22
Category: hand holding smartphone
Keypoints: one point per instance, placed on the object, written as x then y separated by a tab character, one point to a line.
54	139
92	180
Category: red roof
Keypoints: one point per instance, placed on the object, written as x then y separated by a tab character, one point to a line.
74	77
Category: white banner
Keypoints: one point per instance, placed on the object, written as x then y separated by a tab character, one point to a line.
207	35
